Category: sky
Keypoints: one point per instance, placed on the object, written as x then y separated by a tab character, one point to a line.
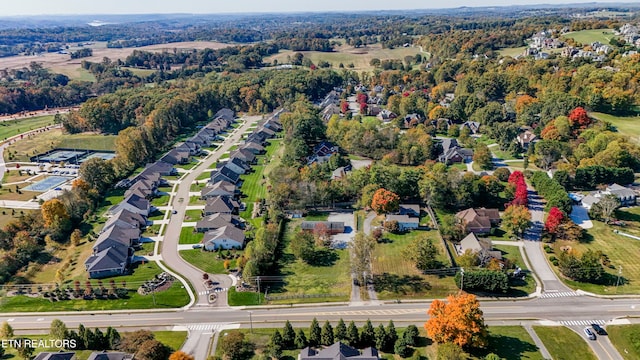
72	7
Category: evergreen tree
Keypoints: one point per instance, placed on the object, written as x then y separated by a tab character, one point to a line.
113	337
275	345
101	340
340	332
401	348
288	336
327	334
367	335
301	340
411	335
73	336
89	340
392	334
381	338
81	335
352	334
315	334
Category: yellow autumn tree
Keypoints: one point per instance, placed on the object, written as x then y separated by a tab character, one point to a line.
459	320
180	355
53	212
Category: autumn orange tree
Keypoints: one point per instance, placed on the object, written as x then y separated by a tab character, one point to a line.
385	201
180	355
459	321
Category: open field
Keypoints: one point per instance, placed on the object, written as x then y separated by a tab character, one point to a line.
621	250
62	63
14	127
396	276
625	339
8	215
513	52
206	261
345	54
588	36
626	125
563	343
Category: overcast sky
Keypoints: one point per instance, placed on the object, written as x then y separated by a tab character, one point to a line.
51	7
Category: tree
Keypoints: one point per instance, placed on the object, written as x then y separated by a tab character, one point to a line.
98	173
181	355
411	335
579	118
235	347
288	336
6	331
468	259
392	334
385	201
459	321
502	173
367	335
152	350
450	351
516	219
605	208
483	280
381	338
423	253
353	337
315	333
492	356
554	219
327	334
301	340
340	332
25	350
302	246
54	213
482	156
275	345
361	251
58	329
401	349
76	237
130	342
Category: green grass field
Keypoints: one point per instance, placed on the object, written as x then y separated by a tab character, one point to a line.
621	250
626	125
513	52
160	201
588	36
189	236
15	127
563	343
193	215
173	297
360	57
243	298
396	276
511	343
625	339
206	261
513	253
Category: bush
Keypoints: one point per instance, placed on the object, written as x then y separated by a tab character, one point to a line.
502	174
483	280
548	249
552	191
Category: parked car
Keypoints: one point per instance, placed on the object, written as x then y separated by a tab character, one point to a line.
590	335
599	329
197	246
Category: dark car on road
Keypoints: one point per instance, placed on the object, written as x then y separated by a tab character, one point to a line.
598	329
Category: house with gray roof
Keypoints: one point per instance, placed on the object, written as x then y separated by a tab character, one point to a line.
111	355
162	168
217	221
226	237
236	165
481	246
220	188
133	203
129	217
175	156
254	147
229	175
226	114
143	188
338	351
222	205
111	261
626	196
60	355
244	155
405	222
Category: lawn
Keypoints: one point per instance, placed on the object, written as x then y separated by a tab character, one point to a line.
8	215
625	125
10	193
174	297
243	298
359	57
206	261
589	36
329	275
621	250
204	176
625	339
519	288
11	176
156	215
195	200
316	216
162	200
395	276
563	343
173	339
189	236
511	343
15	127
254	183
199	184
193	215
513	52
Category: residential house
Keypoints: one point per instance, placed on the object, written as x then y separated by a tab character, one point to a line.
117	236
525	138
220	188
338	351
332	98
322	152
222	205
236	165
217	176
626	196
483	247
104	355
409	209
341	172
162	168
405	222
454	153
60	355
589	200
129	217
259	138
473	126
478	221
266	132
329	111
143	188
225	114
386	115
217	221
227	173
133	203
333	227
244	155
254	147
111	261
194	148
412	120
226	237
177	156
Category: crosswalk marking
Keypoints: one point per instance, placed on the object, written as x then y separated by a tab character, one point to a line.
582	322
547	295
208	327
371	312
207	292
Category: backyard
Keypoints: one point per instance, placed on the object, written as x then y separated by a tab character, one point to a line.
206	260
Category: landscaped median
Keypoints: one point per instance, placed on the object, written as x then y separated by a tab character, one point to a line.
563	343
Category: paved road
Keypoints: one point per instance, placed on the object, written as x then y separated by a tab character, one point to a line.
533	246
602	346
179	203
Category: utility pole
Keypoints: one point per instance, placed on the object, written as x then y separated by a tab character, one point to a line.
461	279
258	278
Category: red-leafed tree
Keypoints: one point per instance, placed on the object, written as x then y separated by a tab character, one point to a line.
344	107
363	108
385	201
362	98
553	220
579	118
516	179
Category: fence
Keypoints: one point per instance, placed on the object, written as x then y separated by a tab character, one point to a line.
302	296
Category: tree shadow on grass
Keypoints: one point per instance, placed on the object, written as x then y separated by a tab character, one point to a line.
404	284
506	347
324	257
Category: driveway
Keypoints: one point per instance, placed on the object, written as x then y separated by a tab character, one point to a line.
580	216
341	241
